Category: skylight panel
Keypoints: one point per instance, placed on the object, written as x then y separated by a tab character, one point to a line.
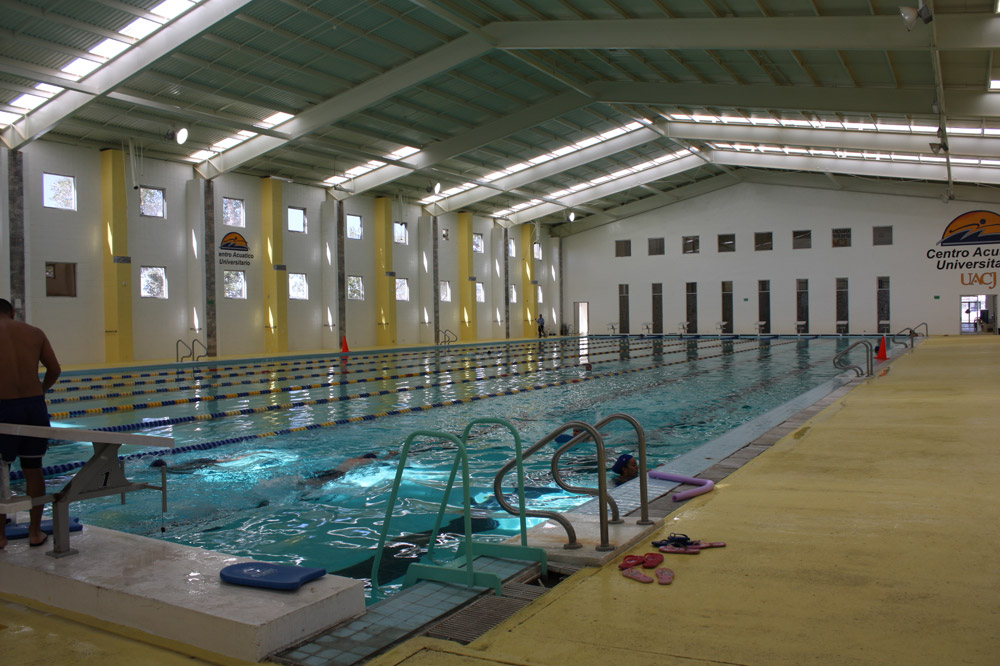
246	134
521	166
589	141
8	118
965	130
990	163
631	127
818	152
992	131
599	180
275	119
645	165
905	158
450	192
359	170
923	129
703	118
109	48
734	120
930	158
610	134
168	9
964	160
202	155
764	121
80	67
579	186
403	152
27	101
887	127
859	125
792	122
226	143
49	89
680	116
994	84
541	159
796	151
139	28
560	193
565	150
336	180
490	177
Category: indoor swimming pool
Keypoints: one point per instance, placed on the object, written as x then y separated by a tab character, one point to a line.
263	481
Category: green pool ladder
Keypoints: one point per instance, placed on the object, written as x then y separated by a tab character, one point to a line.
469	550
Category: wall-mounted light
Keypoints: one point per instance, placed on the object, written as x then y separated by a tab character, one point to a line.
910	16
179	135
939	147
571	216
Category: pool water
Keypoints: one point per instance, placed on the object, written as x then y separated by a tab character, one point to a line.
266	497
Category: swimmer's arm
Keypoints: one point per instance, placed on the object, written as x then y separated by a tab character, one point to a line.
51	363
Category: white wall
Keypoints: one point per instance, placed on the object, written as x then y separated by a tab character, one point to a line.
304	253
592	272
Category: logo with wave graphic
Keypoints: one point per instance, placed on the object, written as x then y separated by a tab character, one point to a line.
235	242
977	227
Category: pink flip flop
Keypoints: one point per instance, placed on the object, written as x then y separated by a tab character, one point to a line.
636	574
664	576
651	560
701	545
631	561
676	550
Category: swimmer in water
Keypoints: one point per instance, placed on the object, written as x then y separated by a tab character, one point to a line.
349	464
626	467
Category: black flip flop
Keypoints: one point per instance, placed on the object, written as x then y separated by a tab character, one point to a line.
40	543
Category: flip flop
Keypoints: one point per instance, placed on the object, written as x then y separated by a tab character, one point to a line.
664	576
701	545
40	543
676	550
631	561
636	574
651	560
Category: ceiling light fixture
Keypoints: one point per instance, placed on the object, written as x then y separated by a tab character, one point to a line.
938	147
571	216
910	16
437	188
179	135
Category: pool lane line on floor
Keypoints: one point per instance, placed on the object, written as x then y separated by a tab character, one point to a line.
66	467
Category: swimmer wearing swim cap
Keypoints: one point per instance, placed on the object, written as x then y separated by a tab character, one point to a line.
626	467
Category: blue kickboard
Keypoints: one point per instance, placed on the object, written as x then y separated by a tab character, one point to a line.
20	530
270	575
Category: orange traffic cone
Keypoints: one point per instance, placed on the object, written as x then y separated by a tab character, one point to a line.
343	346
882	356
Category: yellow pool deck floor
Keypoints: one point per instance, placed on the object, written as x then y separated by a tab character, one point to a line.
869	535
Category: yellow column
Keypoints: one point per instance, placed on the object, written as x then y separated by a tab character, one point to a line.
275	272
530	299
117	263
467	328
385	278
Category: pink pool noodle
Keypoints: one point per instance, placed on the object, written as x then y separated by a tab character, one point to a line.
705	484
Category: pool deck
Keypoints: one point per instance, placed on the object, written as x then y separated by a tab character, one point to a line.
867	534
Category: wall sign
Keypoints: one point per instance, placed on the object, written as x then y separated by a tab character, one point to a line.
964	246
234	250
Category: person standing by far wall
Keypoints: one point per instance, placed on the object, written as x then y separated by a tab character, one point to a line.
541	325
22	401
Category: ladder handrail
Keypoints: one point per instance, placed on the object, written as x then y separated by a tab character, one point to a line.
199	342
177	349
869	354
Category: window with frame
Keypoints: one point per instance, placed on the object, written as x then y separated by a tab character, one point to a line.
297	220
152	282
355	288
539	294
727	242
354	228
477	243
298	287
400	233
444	288
841	238
234	284
480	292
881	235
537	249
802	240
402	289
689	244
60	279
445	234
656	246
511	248
623	248
152	202
763	241
513	294
233	212
58	191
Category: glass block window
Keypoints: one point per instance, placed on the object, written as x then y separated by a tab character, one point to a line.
727	242
513	294
445	234
444	288
623	248
881	235
802	240
58	191
234	284
152	202
297	220
477	243
233	212
298	287
480	292
689	244
539	294
400	233
511	248
656	246
153	282
537	249
354	228
355	288
402	289
763	241
841	238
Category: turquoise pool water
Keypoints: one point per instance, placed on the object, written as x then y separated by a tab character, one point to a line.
265	497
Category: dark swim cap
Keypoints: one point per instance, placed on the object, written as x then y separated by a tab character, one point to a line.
620	464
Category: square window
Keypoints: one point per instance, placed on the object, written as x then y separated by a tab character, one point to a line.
58	191
656	246
537	248
763	241
233	212
153	282
513	294
234	284
354	229
511	248
400	234
623	248
355	288
480	292
60	279
444	234
297	220
477	243
445	289
841	238
802	240
689	244
881	235
298	287
402	289
152	202
727	242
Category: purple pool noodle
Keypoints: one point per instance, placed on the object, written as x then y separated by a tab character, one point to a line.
705	484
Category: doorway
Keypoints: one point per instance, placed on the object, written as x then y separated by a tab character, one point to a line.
978	313
581	318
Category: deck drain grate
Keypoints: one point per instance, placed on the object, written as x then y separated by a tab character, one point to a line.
477	618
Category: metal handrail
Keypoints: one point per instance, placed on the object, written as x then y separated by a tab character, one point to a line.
869	356
194	342
448	336
641	439
177	348
927	331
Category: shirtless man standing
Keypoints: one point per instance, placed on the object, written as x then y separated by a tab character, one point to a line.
22	401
